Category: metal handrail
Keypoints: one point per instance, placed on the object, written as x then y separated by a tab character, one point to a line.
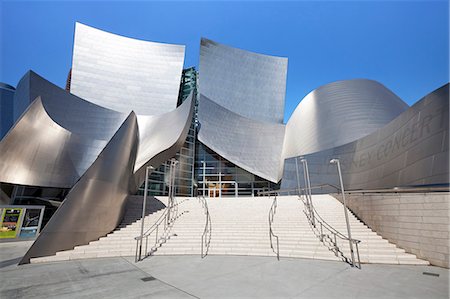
295	191
272	211
320	222
206	236
167	218
401	190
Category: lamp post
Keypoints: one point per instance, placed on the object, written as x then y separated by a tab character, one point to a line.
173	163
204	173
144	204
336	161
308	190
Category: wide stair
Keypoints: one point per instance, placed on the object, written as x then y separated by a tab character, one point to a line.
240	226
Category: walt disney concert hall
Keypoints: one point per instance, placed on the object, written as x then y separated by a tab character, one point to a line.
130	105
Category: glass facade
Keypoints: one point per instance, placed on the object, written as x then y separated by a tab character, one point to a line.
51	198
158	180
200	170
217	177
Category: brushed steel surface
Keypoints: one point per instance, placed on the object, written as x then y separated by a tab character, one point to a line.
56	139
161	137
338	113
411	150
125	74
249	84
252	145
95	205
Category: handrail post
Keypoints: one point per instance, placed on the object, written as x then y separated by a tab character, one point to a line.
350	240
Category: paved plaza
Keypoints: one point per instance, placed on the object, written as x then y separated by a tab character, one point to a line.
213	277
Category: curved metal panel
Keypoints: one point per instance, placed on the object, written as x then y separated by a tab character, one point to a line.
249	84
56	139
98	196
252	145
161	137
338	113
411	150
125	74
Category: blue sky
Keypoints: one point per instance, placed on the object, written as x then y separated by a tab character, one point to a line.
402	44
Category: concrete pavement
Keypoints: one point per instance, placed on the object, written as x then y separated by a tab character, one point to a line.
213	277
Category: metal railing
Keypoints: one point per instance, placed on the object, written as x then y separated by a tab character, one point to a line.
327	234
324	231
160	229
206	236
272	211
293	191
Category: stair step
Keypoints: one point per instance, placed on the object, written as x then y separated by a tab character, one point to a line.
240	227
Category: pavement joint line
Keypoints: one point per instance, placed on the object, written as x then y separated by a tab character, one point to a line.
162	281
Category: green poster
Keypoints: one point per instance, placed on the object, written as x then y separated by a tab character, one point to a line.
10	221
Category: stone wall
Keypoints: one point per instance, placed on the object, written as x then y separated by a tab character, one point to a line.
416	222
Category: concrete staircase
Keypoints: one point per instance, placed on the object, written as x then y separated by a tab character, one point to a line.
240	227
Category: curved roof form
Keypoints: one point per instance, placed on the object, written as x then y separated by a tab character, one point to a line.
252	145
56	139
338	113
249	84
125	74
99	197
411	150
158	133
60	135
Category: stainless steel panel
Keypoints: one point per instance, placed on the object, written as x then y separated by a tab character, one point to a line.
410	150
56	139
338	113
125	74
95	205
249	84
252	145
161	137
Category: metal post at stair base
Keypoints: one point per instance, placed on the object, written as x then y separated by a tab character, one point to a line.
144	207
350	240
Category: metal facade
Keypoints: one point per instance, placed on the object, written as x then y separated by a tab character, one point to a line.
252	145
338	113
249	84
125	74
241	107
56	139
126	119
95	205
411	150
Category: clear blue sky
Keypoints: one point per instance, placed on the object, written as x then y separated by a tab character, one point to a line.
402	44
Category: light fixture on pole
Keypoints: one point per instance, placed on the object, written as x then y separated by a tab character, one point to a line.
336	161
144	204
